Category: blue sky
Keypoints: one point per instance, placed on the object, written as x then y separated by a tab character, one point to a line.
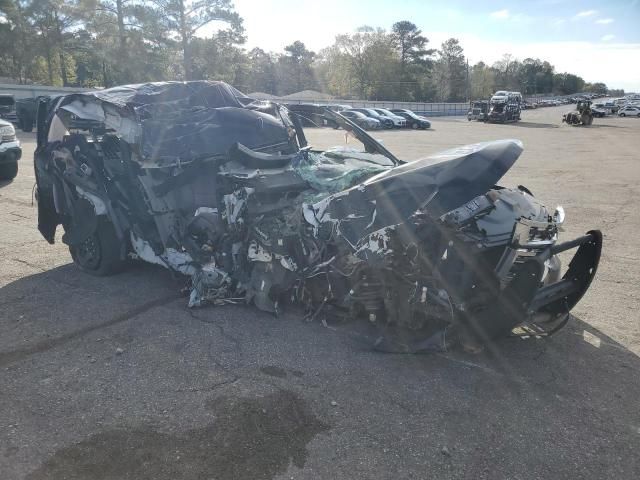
600	40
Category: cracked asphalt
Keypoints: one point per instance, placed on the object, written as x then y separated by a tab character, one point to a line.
114	378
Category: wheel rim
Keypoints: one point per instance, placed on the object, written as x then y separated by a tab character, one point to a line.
414	126
88	253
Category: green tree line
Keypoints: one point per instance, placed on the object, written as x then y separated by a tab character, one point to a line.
101	43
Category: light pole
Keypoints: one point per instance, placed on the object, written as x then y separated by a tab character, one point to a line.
467	80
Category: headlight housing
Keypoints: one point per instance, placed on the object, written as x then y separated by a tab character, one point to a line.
559	215
7	133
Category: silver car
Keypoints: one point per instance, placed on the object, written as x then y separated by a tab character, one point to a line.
398	121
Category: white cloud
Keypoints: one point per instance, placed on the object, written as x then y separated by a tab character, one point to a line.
316	34
608	38
604	21
606	62
512	17
585	14
500	14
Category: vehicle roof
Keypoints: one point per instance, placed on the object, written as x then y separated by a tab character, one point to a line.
209	93
171	130
289	105
354	113
410	113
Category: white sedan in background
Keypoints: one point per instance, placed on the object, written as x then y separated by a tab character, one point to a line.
630	111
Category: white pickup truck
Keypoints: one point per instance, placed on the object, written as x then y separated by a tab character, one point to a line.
10	151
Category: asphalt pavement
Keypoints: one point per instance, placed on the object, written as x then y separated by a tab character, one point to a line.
114	378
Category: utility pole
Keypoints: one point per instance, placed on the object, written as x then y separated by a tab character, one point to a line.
467	80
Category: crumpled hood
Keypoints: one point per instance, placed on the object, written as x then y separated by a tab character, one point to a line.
438	183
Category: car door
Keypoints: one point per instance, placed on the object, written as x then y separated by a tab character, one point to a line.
48	218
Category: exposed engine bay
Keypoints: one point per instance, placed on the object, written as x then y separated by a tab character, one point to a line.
209	183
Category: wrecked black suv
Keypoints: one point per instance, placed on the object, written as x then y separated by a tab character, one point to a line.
207	182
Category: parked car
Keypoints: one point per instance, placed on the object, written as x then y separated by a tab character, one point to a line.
10	151
398	121
598	112
629	111
505	107
26	112
312	115
414	120
608	107
426	252
371	113
361	120
337	107
8	108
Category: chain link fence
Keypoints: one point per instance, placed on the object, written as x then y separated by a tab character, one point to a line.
426	109
33	91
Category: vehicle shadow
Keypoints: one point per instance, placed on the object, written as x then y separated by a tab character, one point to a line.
535	125
107	301
579	343
100	302
598	125
4	183
573	395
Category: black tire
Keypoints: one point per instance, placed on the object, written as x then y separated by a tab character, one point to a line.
27	124
101	253
622	115
8	171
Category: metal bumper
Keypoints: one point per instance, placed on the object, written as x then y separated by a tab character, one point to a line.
524	301
560	297
10	152
10	117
